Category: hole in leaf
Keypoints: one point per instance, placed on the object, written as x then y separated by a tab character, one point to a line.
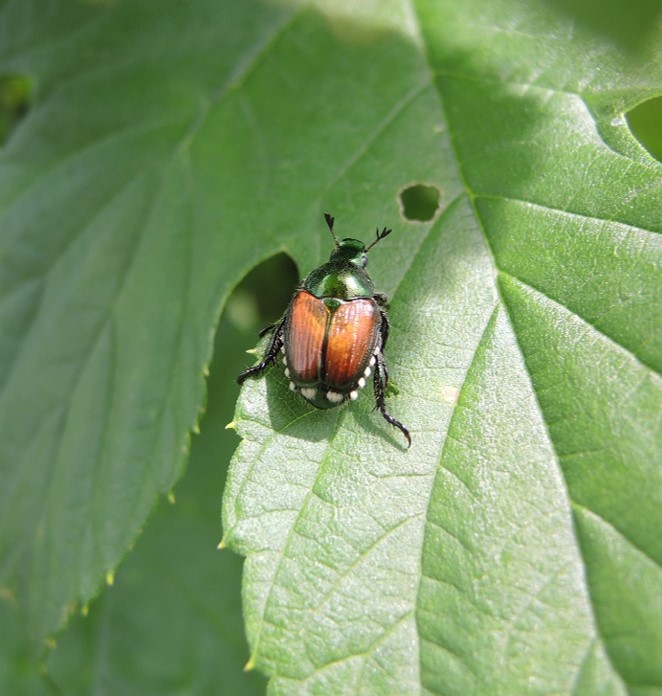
419	202
262	296
645	122
613	20
15	93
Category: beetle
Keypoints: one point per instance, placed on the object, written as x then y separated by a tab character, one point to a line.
334	332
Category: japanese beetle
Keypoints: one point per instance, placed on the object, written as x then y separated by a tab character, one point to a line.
334	332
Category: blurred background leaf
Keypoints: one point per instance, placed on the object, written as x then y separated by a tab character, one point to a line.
172	623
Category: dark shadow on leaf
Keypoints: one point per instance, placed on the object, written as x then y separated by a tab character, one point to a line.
292	415
373	423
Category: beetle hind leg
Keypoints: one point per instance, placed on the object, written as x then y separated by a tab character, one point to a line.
270	354
380	380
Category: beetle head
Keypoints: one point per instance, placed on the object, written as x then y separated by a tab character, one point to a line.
351	250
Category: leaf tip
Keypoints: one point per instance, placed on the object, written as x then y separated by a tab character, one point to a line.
85	610
171	497
221	545
250	665
231	426
110	578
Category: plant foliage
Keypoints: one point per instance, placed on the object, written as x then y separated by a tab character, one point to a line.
167	149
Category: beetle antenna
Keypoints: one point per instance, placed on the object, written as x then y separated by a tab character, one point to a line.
329	221
380	235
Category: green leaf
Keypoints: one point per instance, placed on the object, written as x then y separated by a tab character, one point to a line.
171	146
171	623
120	239
19	672
516	547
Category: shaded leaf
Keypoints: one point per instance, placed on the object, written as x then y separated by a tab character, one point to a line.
115	261
171	623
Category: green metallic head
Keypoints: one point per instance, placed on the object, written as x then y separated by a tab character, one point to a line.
352	250
343	276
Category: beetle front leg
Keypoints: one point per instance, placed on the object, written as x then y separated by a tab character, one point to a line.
380	381
270	354
381	299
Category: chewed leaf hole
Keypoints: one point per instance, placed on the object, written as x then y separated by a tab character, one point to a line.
262	296
419	202
645	122
15	94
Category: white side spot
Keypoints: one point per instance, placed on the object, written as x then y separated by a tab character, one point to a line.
284	361
373	360
282	350
287	372
367	372
353	395
335	397
308	392
362	383
293	387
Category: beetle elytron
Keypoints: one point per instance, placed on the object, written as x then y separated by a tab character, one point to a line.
334	332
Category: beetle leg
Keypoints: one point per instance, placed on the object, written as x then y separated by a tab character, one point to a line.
381	299
270	354
380	381
384	329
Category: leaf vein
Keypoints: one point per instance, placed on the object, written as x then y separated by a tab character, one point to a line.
612	341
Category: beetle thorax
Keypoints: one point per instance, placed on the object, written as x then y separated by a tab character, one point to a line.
339	278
